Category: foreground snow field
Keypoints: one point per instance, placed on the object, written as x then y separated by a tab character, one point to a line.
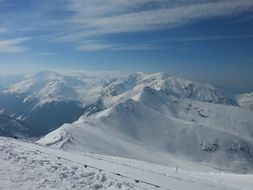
30	166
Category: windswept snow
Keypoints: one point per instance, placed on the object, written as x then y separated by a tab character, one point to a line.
246	100
171	117
29	166
156	127
24	166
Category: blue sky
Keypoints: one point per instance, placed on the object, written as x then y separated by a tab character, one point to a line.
210	41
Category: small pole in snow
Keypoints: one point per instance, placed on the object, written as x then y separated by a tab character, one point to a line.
176	169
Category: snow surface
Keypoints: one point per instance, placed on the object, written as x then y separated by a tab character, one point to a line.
46	100
246	100
172	85
64	97
47	86
163	131
29	166
160	128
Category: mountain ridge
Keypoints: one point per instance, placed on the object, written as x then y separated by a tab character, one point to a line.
135	128
64	97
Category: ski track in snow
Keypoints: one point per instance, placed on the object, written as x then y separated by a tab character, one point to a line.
30	166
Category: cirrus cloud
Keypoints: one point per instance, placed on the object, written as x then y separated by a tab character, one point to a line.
13	45
79	21
95	19
98	46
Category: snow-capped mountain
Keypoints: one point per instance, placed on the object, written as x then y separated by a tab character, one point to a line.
156	117
160	127
11	127
149	117
46	100
6	80
171	85
246	100
47	86
225	117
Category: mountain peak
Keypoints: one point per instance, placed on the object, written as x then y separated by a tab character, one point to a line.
137	75
42	75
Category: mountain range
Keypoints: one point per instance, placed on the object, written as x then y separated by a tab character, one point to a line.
154	117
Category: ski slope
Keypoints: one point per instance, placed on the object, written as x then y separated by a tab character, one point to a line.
29	166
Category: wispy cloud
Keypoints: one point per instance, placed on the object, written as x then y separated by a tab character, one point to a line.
136	47
97	46
209	38
44	54
13	45
79	21
3	30
96	19
94	46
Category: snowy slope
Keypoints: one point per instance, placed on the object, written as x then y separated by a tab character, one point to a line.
46	100
246	100
6	80
157	118
172	85
150	123
29	166
232	119
48	86
26	166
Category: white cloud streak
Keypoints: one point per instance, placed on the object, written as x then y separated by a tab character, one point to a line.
108	18
92	20
210	38
13	45
97	46
44	54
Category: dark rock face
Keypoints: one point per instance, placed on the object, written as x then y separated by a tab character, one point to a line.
51	116
94	108
11	127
